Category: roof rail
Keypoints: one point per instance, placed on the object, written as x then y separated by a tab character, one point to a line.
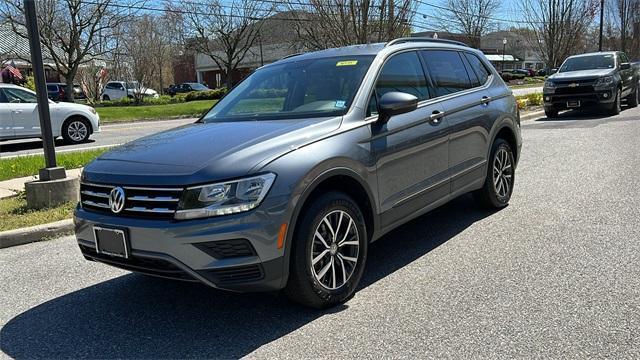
424	39
291	55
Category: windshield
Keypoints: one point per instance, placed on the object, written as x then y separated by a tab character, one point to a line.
588	63
198	86
132	85
306	88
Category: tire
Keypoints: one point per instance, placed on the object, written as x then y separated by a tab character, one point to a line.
634	97
616	106
500	178
315	285
551	113
106	98
76	130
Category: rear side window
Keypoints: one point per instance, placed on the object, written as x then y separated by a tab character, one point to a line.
447	71
52	88
478	68
403	72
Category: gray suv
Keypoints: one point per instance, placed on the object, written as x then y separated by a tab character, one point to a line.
286	181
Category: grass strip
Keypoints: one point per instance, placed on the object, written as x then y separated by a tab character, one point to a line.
14	213
114	114
30	164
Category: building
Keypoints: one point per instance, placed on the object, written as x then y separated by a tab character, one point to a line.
273	43
15	48
517	52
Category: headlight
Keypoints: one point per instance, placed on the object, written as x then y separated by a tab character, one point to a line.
604	81
224	198
92	110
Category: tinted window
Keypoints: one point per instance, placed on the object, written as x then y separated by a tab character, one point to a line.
112	86
478	68
19	96
578	63
403	73
623	58
447	71
52	88
3	99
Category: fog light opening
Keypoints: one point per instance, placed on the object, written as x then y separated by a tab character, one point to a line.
605	95
548	98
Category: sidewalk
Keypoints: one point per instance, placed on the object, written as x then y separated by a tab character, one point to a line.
11	187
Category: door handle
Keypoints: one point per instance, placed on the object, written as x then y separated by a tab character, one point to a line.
485	100
435	117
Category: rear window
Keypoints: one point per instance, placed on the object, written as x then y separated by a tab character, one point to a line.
447	71
478	68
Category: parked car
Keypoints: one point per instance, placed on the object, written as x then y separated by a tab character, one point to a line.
346	145
508	75
19	117
115	90
601	79
524	72
185	88
546	72
58	92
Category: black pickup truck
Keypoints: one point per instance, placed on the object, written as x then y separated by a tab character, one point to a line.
602	79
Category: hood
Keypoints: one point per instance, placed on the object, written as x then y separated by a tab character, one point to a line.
582	74
73	106
204	152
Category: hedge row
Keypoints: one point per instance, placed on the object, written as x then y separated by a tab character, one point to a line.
166	99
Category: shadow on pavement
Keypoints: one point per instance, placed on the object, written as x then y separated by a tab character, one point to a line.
21	145
134	316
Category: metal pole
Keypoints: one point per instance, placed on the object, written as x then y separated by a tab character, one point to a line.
504	47
260	42
50	172
601	24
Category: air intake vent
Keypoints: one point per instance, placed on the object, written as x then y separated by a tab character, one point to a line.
225	249
233	275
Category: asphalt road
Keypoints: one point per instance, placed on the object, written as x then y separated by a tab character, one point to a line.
111	134
553	275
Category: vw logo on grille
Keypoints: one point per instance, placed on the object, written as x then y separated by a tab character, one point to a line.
116	199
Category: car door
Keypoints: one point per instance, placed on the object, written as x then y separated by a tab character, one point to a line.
6	120
410	149
24	112
625	75
465	100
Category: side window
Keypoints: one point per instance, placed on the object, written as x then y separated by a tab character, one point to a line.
623	58
447	71
403	73
478	68
475	82
3	99
52	88
110	86
19	96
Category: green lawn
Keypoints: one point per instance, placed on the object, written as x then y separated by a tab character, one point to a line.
14	213
30	164
112	114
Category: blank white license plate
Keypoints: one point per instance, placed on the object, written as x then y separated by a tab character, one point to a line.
573	104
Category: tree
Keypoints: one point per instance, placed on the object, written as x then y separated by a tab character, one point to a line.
334	23
625	19
469	17
72	32
558	26
224	31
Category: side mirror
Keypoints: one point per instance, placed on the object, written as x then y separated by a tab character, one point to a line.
625	66
395	103
553	71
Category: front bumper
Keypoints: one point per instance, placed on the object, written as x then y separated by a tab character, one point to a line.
234	252
559	101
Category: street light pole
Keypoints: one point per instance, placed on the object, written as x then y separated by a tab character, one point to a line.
601	24
504	48
260	42
51	171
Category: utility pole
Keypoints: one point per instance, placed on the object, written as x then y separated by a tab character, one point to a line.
260	42
51	171
601	24
504	49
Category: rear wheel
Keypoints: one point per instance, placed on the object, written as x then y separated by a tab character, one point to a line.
616	106
329	252
500	178
106	98
634	97
75	131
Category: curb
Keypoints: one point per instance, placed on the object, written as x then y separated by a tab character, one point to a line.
532	115
34	233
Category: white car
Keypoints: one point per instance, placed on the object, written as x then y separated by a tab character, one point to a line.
115	90
19	117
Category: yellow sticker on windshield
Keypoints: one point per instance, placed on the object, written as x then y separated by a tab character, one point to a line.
347	63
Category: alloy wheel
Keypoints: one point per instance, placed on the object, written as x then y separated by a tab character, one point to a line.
77	130
335	250
502	173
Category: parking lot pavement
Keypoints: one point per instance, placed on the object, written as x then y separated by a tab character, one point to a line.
111	134
553	275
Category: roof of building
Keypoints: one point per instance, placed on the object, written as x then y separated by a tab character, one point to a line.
11	44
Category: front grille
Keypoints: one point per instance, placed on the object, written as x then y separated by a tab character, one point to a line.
147	202
149	266
233	275
582	89
225	249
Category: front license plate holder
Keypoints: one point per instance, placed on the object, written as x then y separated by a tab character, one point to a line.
573	104
112	242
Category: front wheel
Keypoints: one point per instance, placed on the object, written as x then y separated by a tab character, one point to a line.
75	131
329	252
500	178
634	97
616	107
551	113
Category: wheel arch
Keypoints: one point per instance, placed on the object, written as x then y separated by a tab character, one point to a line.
506	132
73	116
